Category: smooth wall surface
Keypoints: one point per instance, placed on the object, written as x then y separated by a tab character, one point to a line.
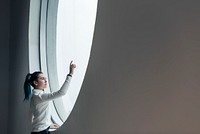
18	122
143	76
4	62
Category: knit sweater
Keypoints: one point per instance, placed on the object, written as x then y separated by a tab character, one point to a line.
40	106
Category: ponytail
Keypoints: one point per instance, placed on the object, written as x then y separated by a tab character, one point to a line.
29	81
27	87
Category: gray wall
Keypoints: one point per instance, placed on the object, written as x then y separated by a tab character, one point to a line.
143	75
4	60
18	111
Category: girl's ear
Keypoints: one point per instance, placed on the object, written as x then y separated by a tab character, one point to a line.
35	83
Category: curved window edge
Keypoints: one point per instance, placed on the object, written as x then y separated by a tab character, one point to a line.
37	44
42	42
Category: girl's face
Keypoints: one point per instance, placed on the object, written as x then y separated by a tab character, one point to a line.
41	82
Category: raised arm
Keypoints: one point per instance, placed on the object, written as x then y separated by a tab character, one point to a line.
63	89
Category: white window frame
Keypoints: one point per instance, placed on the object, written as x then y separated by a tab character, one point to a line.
42	46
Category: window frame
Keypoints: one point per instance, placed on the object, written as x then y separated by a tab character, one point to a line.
48	47
42	46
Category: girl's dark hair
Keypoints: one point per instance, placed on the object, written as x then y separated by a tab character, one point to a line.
30	78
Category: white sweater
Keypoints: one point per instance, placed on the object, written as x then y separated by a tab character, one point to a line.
40	107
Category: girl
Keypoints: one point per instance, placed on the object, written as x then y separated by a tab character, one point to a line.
39	103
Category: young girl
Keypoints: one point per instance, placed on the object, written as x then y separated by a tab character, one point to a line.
39	103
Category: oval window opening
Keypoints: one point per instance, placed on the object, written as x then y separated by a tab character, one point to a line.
74	35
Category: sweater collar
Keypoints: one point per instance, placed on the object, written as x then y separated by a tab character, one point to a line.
37	91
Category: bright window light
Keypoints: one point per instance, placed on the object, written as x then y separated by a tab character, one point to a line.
75	28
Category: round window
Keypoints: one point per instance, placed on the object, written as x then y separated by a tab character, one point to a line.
69	34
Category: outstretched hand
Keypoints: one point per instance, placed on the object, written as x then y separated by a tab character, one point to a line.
71	68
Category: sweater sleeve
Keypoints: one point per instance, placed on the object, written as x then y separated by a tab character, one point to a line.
59	93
